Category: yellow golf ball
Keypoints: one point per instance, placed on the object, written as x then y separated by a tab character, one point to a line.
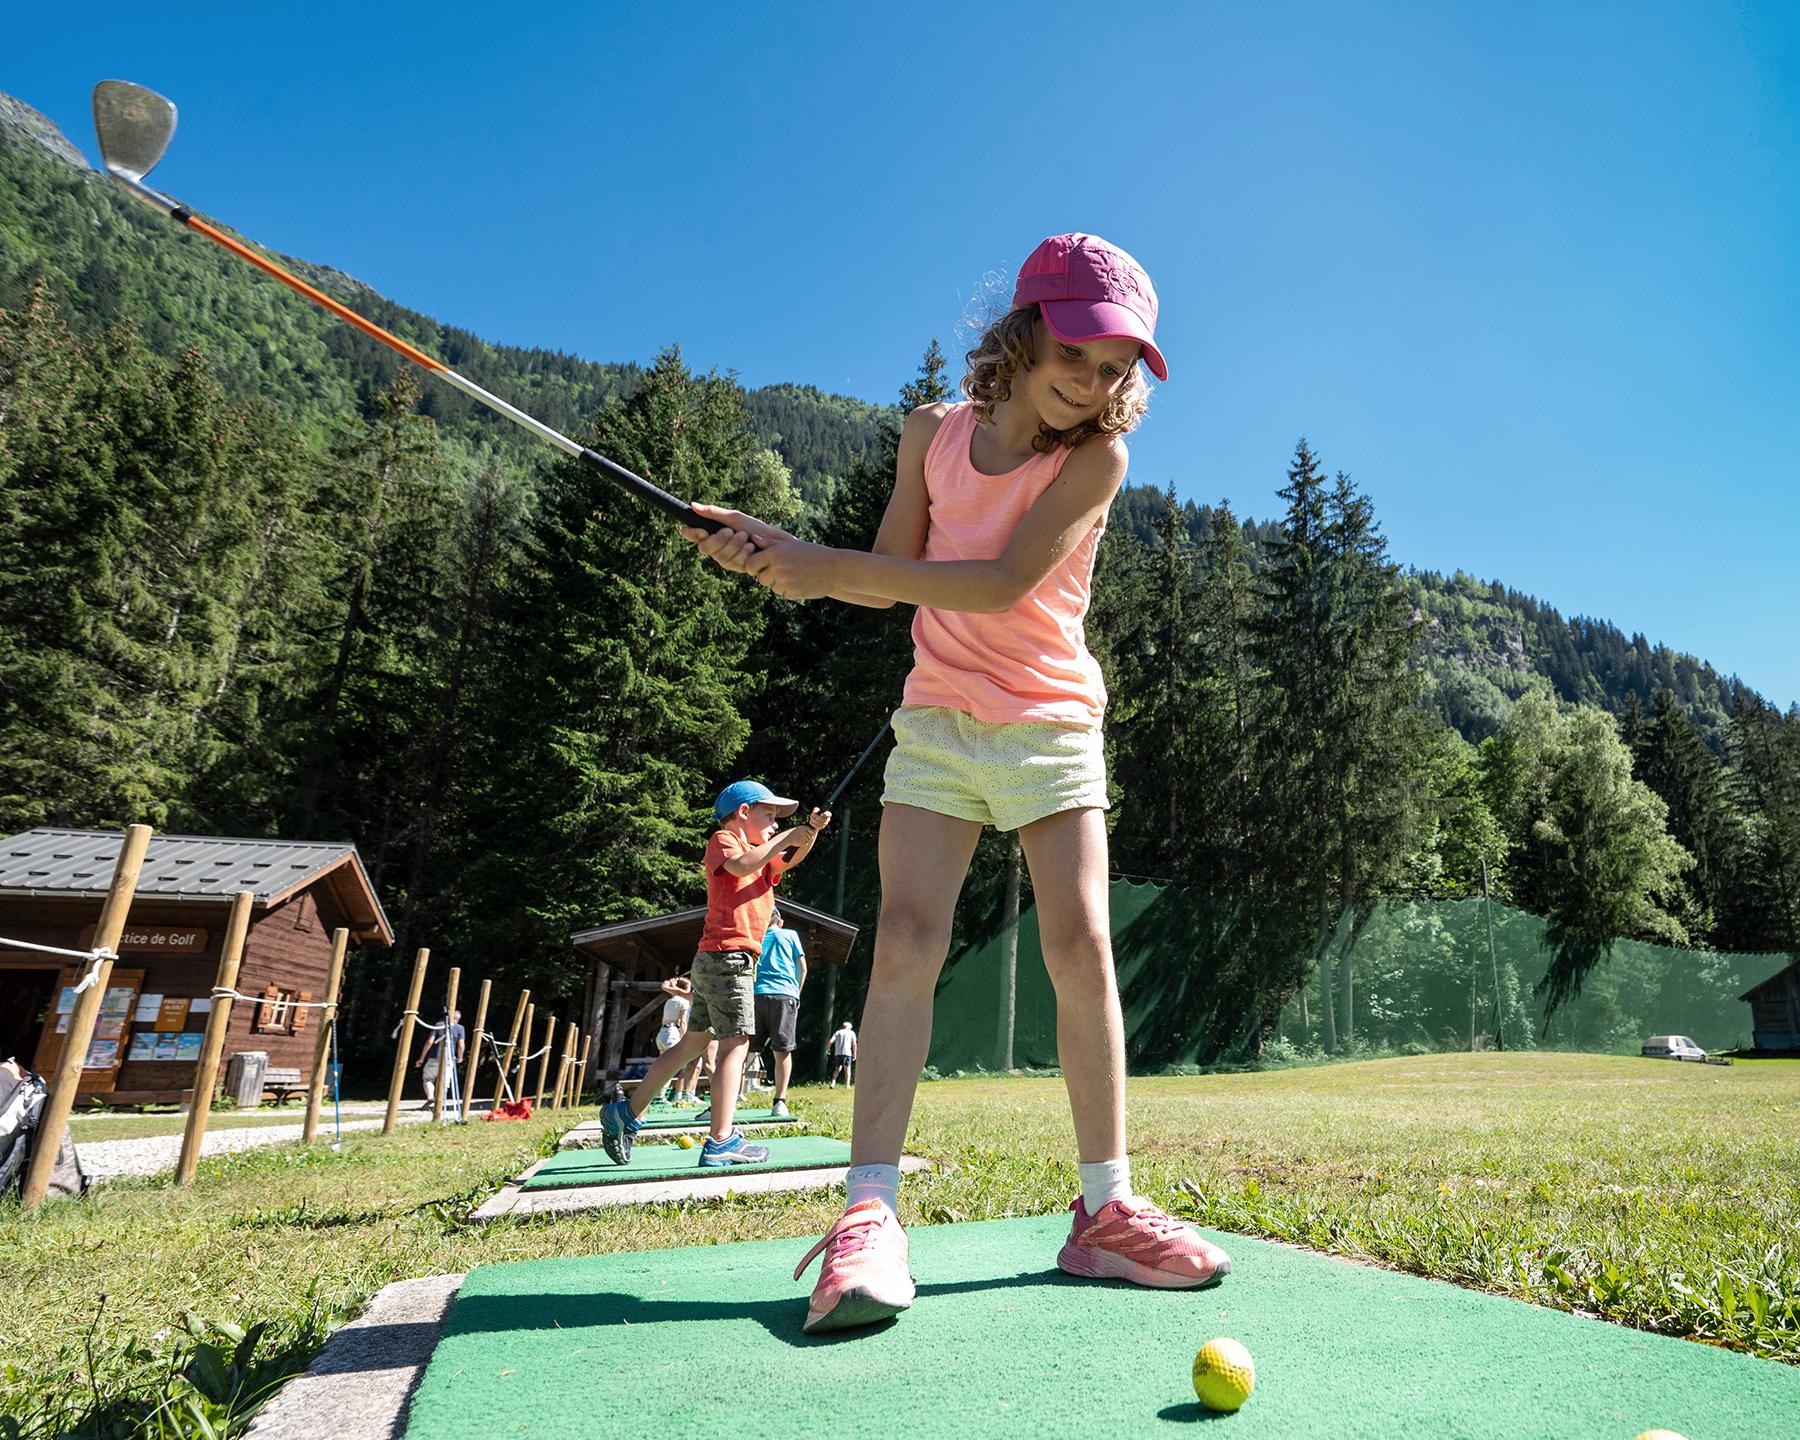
1661	1435
1224	1374
686	1142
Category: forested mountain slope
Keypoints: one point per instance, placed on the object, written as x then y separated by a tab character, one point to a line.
1483	644
108	259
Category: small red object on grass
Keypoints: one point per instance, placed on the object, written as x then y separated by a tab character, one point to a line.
511	1110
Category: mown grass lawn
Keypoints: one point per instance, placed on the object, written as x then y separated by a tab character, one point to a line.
1654	1194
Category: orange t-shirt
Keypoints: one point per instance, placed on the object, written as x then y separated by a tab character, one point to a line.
737	907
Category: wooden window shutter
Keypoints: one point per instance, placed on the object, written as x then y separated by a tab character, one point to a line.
268	1007
300	1014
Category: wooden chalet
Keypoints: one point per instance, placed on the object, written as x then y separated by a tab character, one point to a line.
146	1045
1775	1011
628	962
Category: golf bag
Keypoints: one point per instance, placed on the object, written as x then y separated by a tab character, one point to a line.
22	1097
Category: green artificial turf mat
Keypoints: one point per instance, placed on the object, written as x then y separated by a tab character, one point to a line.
698	1341
590	1166
666	1119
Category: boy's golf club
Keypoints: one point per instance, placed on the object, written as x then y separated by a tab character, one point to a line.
135	126
849	775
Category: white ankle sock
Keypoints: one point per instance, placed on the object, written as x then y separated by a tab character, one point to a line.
874	1182
1101	1181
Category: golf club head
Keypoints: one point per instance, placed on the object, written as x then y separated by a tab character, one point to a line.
135	126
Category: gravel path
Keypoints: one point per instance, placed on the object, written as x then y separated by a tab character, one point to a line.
104	1160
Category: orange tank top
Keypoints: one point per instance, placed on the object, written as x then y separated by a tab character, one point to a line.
1030	662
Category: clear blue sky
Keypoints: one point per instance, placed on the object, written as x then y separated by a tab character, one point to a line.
1528	272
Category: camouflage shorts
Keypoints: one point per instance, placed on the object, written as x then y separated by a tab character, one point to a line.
724	993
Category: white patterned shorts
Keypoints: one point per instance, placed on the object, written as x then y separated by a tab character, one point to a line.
1004	775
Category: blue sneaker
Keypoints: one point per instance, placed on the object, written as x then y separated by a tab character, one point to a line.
617	1128
734	1151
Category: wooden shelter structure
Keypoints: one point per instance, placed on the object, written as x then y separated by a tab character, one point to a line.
1775	1011
629	960
146	1046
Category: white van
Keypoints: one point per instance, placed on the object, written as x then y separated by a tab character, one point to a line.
1672	1047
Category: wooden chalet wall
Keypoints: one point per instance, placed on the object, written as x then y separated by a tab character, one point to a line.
1775	1011
288	948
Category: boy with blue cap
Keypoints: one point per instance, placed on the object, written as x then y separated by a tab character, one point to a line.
745	860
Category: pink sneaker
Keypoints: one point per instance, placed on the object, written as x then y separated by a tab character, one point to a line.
1133	1240
863	1277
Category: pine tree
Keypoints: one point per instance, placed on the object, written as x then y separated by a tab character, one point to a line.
1231	853
616	706
386	507
1765	751
1377	740
49	509
1227	720
1294	782
1670	757
276	641
1153	706
128	532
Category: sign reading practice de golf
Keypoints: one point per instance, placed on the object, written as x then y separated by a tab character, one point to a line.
158	939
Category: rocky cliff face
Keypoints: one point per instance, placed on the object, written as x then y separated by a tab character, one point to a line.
20	123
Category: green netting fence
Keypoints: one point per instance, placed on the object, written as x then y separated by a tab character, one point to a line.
1196	970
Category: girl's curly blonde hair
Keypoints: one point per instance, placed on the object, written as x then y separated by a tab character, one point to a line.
1008	346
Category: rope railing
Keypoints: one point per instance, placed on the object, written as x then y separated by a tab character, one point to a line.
94	958
422	1024
222	992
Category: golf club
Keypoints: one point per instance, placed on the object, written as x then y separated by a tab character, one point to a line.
849	775
135	125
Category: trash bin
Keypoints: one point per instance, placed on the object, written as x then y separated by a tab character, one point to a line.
244	1073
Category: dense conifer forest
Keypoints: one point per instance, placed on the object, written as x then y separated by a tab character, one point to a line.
256	577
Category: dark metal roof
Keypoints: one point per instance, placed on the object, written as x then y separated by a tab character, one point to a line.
78	864
672	939
1780	979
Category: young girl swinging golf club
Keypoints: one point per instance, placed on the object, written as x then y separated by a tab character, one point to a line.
999	503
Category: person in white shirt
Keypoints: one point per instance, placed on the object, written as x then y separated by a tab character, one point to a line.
674	1025
843	1054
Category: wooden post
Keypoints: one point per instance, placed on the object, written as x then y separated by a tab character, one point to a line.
237	927
561	1057
575	1039
512	1048
570	1038
322	1047
404	1053
612	1037
544	1060
468	1086
446	1053
581	1065
55	1114
524	1050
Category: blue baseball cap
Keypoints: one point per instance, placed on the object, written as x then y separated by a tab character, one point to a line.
750	792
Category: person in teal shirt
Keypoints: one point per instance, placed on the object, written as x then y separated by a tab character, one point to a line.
780	974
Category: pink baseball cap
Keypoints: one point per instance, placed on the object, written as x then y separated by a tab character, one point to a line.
1087	290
